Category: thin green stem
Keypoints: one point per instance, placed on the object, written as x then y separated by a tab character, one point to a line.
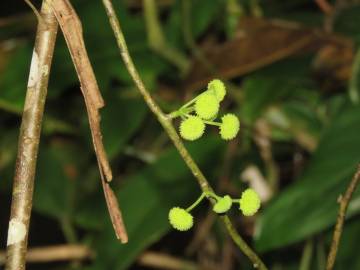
306	258
212	123
180	112
208	122
256	8
172	133
204	194
191	207
187	104
68	229
174	114
210	195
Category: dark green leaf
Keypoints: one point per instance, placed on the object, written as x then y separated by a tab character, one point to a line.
54	182
310	204
13	80
120	119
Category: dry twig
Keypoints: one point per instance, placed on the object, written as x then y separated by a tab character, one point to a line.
344	202
324	6
71	27
164	261
55	253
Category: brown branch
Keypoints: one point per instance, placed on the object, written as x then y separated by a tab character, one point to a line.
165	121
344	202
55	253
164	261
71	27
29	140
324	6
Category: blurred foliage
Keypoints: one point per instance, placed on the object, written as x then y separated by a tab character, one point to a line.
297	120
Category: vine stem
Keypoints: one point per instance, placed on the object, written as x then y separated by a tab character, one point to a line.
344	203
170	130
191	207
29	138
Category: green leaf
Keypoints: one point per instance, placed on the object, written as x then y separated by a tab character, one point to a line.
203	13
120	118
274	84
53	182
8	149
347	22
310	204
295	120
13	80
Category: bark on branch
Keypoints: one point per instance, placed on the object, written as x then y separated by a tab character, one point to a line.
29	139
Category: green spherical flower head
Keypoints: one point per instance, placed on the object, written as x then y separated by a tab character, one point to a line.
207	106
229	127
223	205
217	88
249	202
180	219
192	128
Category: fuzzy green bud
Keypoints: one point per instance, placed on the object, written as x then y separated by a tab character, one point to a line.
180	219
249	202
229	127
207	106
192	128
223	205
217	88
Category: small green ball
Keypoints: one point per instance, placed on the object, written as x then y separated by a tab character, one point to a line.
249	202
229	127
217	88
192	128
207	106
180	219
223	205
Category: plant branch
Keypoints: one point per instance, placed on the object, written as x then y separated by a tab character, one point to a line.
164	261
170	130
55	253
29	139
71	27
325	6
344	202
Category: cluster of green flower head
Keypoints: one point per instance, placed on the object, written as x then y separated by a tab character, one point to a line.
249	203
203	110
